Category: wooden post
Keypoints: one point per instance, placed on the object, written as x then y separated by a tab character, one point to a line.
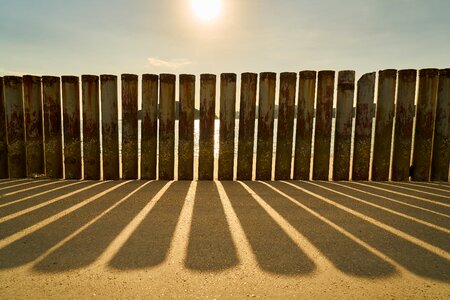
363	127
71	119
267	82
110	130
425	121
3	142
51	90
227	123
207	116
166	126
149	134
404	117
384	119
305	114
322	141
246	126
186	128
441	146
343	131
286	109
129	126
13	93
34	138
91	127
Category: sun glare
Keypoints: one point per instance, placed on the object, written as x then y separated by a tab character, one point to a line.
207	10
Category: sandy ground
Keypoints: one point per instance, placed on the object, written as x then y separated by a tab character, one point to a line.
140	239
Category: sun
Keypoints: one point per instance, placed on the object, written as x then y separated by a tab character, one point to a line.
207	10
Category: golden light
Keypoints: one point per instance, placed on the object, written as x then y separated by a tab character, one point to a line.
207	10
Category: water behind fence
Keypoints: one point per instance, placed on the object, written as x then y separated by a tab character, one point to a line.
295	134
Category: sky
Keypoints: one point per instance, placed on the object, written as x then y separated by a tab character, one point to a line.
62	37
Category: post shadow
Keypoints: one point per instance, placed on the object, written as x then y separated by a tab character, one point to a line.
210	246
274	250
33	245
407	254
21	185
22	193
344	253
88	245
149	244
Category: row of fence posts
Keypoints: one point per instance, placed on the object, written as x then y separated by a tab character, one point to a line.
32	108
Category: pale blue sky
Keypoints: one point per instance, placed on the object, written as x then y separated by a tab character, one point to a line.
61	37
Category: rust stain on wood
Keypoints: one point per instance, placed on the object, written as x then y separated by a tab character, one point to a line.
207	116
363	127
166	126
267	82
51	91
149	135
186	127
3	142
227	123
305	114
246	126
322	139
343	130
129	126
285	129
404	116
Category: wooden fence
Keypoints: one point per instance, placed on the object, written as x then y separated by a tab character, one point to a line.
42	132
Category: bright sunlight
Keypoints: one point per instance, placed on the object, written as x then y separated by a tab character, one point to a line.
207	10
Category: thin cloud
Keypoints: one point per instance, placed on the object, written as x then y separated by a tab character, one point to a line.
171	63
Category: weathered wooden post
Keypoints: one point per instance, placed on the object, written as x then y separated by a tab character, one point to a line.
227	123
343	131
246	126
129	126
207	116
166	126
305	115
322	141
404	117
363	127
91	127
286	109
149	134
267	82
425	121
51	91
34	138
110	130
71	119
3	144
186	127
441	146
384	119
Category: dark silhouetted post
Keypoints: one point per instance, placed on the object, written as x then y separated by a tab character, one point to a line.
363	127
3	144
71	119
51	91
207	116
110	130
149	134
322	141
343	131
91	127
286	109
34	138
227	123
404	117
246	126
186	127
441	146
425	119
267	82
166	126
384	119
129	126
305	115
